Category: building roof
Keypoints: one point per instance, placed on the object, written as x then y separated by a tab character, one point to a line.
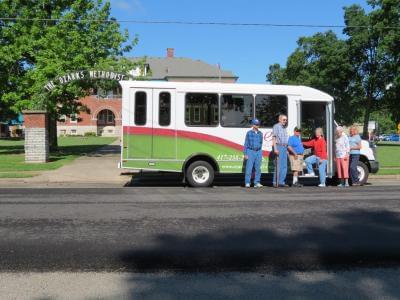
162	68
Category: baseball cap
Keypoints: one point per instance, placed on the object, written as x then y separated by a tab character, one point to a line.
255	122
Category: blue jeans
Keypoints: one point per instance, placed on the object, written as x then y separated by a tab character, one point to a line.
282	163
354	158
254	160
321	166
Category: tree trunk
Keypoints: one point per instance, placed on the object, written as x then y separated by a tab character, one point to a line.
53	143
366	118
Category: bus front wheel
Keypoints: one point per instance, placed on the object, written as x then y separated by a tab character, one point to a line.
363	172
200	174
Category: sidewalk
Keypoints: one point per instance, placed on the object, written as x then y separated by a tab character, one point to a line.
97	169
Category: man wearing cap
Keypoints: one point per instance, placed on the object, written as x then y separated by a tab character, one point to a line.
279	144
253	153
296	151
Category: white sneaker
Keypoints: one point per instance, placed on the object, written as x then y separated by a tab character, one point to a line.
247	185
258	185
309	175
322	185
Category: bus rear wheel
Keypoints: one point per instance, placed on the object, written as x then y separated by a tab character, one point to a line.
200	174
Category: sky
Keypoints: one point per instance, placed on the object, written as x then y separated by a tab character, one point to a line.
246	51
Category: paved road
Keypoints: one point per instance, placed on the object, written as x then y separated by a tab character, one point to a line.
182	229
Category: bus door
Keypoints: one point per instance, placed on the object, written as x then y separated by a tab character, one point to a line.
139	138
164	129
315	114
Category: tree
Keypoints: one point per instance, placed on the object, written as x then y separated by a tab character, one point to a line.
386	16
320	61
361	71
368	59
50	38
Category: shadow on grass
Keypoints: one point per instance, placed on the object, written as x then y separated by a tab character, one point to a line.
66	150
394	144
88	150
12	149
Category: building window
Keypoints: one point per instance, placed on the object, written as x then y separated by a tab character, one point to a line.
108	94
73	132
200	109
187	115
62	118
236	110
269	107
216	116
196	115
106	117
140	108
73	118
164	113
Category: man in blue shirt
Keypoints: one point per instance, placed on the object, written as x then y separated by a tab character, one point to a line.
296	151
253	153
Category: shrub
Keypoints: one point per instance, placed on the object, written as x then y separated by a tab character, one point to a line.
90	134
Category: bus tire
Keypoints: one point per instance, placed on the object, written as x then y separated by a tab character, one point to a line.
363	172
200	174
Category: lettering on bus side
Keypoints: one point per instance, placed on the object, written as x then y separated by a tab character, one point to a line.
230	157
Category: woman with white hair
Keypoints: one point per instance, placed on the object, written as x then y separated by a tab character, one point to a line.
342	157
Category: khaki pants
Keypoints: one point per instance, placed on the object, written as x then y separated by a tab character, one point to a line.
296	164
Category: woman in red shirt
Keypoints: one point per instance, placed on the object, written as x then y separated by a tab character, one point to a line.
318	144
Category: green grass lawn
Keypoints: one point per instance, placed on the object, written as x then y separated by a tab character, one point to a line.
389	158
12	160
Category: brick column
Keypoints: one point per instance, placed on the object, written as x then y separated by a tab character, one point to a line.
36	136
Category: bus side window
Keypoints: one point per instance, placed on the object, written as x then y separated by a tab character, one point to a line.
236	110
140	108
164	113
269	107
201	109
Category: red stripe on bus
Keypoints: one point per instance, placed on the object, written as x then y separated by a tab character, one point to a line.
184	134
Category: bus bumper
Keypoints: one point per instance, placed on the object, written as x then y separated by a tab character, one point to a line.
374	166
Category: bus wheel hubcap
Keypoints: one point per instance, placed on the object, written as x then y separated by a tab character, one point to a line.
200	174
361	173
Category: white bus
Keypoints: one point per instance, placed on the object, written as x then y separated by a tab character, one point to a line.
199	128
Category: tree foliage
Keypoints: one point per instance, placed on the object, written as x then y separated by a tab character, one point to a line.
361	71
319	61
387	14
36	48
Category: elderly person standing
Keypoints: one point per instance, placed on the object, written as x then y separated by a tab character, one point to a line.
280	139
342	157
253	154
296	151
355	146
320	157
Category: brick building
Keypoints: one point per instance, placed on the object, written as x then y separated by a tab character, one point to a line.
105	106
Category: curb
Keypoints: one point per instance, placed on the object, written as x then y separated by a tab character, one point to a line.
383	177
